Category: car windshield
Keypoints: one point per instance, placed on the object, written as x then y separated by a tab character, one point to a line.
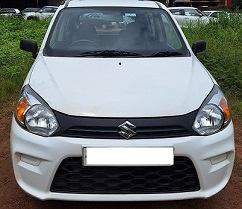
114	32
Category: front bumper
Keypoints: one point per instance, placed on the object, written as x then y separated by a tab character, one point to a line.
36	160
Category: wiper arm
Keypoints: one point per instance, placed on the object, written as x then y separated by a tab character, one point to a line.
165	54
110	53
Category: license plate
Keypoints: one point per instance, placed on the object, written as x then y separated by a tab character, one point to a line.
128	156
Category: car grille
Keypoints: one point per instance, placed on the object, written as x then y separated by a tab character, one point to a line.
73	177
112	132
108	128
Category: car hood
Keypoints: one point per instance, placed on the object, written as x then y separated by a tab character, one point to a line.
121	87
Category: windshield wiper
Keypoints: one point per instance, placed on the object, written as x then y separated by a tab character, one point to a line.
110	53
114	53
165	54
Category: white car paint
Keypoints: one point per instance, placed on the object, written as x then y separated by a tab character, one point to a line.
9	12
101	101
44	12
215	13
188	16
124	89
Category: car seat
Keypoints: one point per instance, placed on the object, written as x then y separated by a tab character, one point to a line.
133	38
87	32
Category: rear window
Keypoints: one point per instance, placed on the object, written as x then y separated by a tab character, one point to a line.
5	11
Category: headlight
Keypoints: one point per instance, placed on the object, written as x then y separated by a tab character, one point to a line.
34	114
213	115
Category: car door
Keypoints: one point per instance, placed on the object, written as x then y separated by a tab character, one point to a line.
192	16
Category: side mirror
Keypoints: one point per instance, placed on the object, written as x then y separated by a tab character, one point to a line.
198	46
29	46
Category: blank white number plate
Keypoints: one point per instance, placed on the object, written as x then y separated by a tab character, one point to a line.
128	156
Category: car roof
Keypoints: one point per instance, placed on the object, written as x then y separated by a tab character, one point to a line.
9	9
212	11
122	3
50	7
31	8
182	8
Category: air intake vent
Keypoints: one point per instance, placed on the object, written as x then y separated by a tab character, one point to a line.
73	177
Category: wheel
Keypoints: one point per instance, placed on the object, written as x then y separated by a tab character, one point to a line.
32	18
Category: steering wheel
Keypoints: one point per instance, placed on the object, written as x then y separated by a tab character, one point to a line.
79	43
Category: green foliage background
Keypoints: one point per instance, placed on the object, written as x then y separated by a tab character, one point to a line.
223	57
236	4
14	63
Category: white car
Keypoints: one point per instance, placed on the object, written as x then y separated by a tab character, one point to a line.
29	9
120	114
9	12
44	12
215	13
188	16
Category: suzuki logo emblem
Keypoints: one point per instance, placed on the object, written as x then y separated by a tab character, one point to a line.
127	130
